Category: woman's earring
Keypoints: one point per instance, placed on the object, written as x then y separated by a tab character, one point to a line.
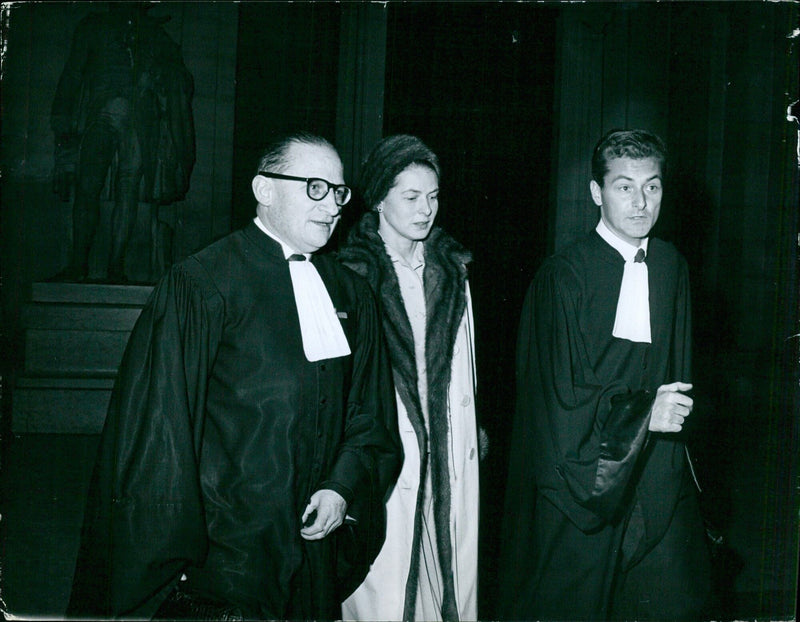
379	207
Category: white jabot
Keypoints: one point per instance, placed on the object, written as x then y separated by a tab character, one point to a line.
322	333
632	321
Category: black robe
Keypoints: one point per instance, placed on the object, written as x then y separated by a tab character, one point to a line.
581	457
218	432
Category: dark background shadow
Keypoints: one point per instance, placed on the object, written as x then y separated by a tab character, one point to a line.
511	96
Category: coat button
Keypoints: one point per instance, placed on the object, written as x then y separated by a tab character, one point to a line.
465	400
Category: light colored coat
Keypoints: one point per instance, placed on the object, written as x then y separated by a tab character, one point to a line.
382	594
428	566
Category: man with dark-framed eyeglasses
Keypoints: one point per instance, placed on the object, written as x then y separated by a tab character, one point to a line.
252	431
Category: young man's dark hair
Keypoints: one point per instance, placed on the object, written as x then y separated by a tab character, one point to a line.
634	144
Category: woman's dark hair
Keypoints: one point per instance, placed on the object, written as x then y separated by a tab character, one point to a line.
390	157
634	144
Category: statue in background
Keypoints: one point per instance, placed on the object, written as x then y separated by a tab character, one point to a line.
123	128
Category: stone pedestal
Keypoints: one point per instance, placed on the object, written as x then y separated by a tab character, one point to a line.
75	335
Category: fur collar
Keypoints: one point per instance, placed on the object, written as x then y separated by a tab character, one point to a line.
445	278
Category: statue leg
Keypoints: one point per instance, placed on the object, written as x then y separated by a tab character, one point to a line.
126	204
162	236
96	152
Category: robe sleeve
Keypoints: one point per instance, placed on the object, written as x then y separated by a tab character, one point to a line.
370	455
595	430
681	355
144	519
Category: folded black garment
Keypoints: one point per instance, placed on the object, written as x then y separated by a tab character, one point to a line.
186	604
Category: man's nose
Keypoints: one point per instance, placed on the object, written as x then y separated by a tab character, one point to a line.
639	199
328	204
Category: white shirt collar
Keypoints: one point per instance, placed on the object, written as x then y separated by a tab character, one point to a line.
632	320
627	250
287	250
320	324
418	260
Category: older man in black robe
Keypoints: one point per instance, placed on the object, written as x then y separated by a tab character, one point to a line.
252	433
601	514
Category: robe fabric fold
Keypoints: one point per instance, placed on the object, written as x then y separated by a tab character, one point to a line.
219	430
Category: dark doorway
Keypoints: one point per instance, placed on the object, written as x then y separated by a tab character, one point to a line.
476	83
286	81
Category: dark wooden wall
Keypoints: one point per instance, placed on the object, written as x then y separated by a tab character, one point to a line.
476	83
715	81
286	76
512	96
36	225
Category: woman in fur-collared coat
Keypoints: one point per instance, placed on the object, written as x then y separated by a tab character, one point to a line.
427	569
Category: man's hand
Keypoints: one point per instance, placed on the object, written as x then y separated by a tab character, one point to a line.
670	407
326	510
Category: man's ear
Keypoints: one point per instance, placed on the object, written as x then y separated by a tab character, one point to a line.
597	195
263	189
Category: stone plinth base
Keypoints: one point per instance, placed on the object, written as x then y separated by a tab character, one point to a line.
75	335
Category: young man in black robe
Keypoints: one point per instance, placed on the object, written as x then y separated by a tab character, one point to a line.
601	512
252	432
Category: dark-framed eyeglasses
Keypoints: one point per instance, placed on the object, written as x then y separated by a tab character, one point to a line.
316	188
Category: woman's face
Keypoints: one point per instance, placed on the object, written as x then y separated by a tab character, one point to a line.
410	207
